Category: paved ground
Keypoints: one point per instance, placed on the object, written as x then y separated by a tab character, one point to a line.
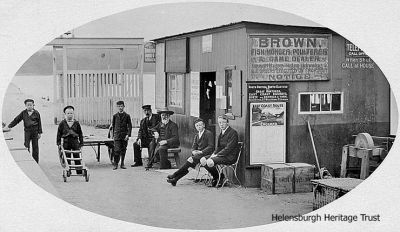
135	195
140	196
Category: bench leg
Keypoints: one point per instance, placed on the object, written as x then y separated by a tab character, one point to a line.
177	160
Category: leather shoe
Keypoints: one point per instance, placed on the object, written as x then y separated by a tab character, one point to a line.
136	165
123	167
215	181
172	181
115	167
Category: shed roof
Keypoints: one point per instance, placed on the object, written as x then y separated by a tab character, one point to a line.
230	26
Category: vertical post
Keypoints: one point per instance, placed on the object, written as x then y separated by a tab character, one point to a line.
365	154
140	94
343	166
64	76
55	100
121	67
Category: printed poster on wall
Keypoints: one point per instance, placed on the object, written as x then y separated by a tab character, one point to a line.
289	57
195	94
267	132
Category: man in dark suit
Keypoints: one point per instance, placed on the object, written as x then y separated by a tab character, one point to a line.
165	136
145	135
122	128
203	145
226	152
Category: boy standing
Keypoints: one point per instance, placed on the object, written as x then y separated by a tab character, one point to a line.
69	134
122	128
32	127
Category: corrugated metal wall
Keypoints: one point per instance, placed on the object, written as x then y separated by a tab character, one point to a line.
366	98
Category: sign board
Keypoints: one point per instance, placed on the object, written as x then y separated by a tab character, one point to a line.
267	132
353	51
150	52
263	92
195	94
289	57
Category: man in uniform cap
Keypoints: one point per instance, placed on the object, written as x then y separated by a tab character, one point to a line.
145	135
166	136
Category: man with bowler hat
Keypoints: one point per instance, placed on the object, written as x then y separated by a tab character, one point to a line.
145	135
165	136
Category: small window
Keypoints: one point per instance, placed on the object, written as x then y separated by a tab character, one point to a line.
175	91
320	103
206	43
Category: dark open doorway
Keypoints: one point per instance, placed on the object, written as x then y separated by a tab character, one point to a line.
207	99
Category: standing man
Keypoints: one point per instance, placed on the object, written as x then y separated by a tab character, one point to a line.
165	136
226	152
122	128
145	135
32	127
203	145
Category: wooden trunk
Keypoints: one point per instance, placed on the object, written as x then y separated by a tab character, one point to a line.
277	178
303	174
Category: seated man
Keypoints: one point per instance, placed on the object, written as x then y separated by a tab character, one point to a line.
165	136
144	135
203	145
226	152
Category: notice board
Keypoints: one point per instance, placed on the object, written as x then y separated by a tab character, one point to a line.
289	57
267	132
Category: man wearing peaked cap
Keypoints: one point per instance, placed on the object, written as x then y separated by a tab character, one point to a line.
166	136
145	135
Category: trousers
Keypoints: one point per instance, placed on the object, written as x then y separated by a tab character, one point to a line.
32	136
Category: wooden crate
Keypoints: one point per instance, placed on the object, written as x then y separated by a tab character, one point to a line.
303	174
277	178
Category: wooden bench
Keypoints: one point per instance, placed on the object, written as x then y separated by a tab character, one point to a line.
174	153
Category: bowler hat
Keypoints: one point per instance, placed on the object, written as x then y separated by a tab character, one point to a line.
165	110
146	107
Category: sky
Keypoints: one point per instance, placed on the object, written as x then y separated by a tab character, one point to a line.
170	19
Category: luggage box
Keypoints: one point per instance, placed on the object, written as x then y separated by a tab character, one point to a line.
277	178
303	174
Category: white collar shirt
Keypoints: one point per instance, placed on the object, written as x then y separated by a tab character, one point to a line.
223	132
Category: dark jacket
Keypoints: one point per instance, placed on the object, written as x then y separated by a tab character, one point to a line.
121	125
31	123
227	145
65	132
171	133
145	128
205	143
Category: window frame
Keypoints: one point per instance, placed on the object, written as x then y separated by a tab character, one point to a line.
176	108
320	111
207	47
229	107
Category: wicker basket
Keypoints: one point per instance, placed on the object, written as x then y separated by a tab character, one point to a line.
328	190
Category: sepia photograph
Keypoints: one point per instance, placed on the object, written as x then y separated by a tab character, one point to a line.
197	116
